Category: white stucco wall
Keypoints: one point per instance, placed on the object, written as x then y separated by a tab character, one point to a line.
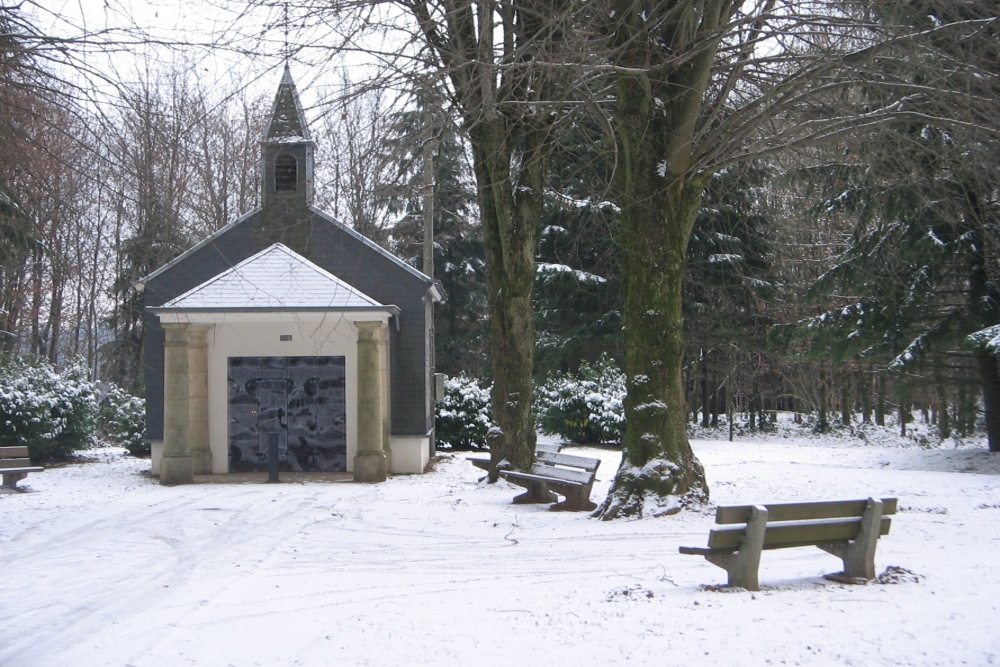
312	334
259	335
410	454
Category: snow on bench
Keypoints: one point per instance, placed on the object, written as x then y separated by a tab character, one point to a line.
565	474
484	464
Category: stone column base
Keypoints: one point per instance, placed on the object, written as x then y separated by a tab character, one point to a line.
370	467
176	470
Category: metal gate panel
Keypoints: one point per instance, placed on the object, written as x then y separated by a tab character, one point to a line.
299	401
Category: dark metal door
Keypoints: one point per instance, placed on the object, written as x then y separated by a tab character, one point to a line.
298	401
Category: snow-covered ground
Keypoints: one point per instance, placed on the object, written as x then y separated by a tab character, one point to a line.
102	566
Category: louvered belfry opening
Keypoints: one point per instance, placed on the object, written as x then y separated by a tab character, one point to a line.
286	173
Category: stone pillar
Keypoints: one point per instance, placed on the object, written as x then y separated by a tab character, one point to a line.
370	464
201	454
175	466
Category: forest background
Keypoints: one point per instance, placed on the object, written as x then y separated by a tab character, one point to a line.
846	272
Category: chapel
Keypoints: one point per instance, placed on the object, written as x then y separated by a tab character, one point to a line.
287	327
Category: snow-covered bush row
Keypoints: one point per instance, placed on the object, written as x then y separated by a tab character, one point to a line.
57	413
586	407
463	417
53	413
123	421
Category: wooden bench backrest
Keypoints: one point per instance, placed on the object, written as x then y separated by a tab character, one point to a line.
825	509
14	452
547	448
794	533
569	460
14	457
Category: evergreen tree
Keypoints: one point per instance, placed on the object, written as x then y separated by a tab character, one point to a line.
919	275
578	297
460	321
728	285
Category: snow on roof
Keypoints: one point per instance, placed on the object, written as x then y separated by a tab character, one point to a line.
276	277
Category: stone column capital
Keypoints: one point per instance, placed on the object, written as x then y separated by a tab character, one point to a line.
371	332
175	333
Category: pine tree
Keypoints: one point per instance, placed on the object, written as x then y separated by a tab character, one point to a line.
728	285
919	275
578	300
460	331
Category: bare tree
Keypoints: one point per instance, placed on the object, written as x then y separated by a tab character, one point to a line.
356	154
700	85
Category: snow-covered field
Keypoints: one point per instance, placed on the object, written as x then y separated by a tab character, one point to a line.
102	566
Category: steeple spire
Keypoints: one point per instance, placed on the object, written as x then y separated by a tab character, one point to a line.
287	120
287	149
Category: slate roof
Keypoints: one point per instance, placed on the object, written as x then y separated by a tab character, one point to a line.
275	278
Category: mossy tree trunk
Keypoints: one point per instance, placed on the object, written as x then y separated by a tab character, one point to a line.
492	54
510	222
659	471
659	184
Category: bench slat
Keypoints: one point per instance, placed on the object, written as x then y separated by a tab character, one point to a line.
6	464
14	451
563	474
793	533
830	509
8	471
554	458
550	474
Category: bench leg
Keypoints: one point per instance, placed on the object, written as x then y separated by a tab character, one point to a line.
859	555
577	500
10	479
742	565
536	492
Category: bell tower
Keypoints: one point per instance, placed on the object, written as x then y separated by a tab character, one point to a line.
287	151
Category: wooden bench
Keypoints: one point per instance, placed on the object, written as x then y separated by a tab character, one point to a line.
848	529
484	464
565	474
15	465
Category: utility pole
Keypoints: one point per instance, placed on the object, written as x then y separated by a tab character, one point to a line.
428	189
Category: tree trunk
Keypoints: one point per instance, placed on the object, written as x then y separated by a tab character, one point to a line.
943	419
510	221
865	390
707	405
905	400
659	472
880	401
822	420
846	411
659	184
989	377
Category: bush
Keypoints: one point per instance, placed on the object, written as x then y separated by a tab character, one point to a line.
52	413
463	417
122	419
586	408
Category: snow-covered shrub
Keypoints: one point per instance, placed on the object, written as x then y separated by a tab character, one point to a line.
122	420
52	413
586	407
463	417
